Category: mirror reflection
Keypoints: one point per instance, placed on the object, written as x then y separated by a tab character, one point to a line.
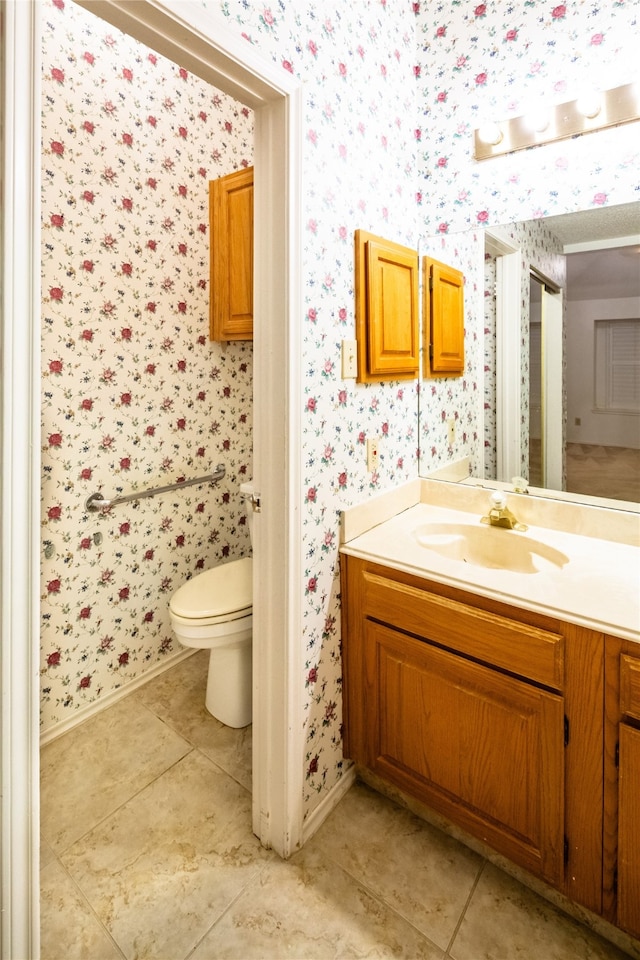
551	390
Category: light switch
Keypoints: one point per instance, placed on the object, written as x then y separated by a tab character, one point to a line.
349	359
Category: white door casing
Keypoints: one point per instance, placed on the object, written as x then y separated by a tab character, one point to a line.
201	42
20	490
508	351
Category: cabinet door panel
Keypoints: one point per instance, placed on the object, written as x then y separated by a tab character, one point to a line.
231	225
630	687
392	310
444	319
483	748
386	309
629	831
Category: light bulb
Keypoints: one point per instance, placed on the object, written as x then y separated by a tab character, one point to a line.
589	103
538	119
490	133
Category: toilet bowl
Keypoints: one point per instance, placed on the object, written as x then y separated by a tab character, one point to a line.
213	611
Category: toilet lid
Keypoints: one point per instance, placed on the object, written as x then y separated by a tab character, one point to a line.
223	589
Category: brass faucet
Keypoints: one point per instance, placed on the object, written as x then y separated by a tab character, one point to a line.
499	515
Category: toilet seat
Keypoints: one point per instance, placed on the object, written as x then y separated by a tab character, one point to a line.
220	594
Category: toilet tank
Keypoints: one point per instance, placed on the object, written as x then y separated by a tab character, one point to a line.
246	492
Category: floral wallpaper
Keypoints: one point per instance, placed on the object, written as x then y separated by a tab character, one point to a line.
481	61
490	61
133	393
415	177
357	63
471	400
392	92
460	399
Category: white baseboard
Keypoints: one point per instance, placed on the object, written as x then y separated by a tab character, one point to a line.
84	713
317	816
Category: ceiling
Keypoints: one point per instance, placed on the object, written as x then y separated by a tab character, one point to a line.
599	223
607	273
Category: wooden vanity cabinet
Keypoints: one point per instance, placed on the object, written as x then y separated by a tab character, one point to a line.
231	256
490	715
622	780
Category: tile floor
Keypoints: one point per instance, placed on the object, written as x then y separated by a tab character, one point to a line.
147	852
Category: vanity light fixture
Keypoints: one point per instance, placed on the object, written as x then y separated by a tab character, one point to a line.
593	110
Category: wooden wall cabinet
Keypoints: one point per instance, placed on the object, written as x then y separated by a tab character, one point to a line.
386	309
443	319
494	717
231	255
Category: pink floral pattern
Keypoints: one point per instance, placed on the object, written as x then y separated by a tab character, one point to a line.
134	394
393	91
477	67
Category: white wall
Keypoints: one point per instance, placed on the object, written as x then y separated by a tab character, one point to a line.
616	430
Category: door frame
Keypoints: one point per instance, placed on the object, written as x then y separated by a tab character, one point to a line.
201	42
509	387
508	354
553	432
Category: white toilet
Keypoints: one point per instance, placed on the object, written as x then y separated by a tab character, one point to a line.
213	611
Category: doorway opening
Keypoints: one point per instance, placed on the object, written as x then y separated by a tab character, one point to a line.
201	42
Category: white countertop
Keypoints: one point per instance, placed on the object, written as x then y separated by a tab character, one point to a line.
599	586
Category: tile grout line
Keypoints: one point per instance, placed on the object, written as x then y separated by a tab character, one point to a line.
166	720
111	813
447	954
380	899
226	910
91	910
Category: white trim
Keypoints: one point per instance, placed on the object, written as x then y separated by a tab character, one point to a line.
202	42
97	706
508	356
587	246
277	531
553	440
328	803
20	458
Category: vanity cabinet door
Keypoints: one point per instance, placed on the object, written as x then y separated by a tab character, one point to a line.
629	830
231	234
483	748
629	796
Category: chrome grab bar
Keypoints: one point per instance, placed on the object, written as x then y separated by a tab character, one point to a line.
97	502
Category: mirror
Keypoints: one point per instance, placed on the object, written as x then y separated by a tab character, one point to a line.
553	301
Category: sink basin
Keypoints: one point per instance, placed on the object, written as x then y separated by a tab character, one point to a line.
489	547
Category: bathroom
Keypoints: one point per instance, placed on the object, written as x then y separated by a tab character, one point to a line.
356	64
135	395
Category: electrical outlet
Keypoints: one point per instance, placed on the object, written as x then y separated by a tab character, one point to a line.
577	421
349	359
451	431
373	454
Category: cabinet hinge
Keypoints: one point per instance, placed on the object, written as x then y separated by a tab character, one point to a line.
615	881
566	730
566	850
430	283
617	755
